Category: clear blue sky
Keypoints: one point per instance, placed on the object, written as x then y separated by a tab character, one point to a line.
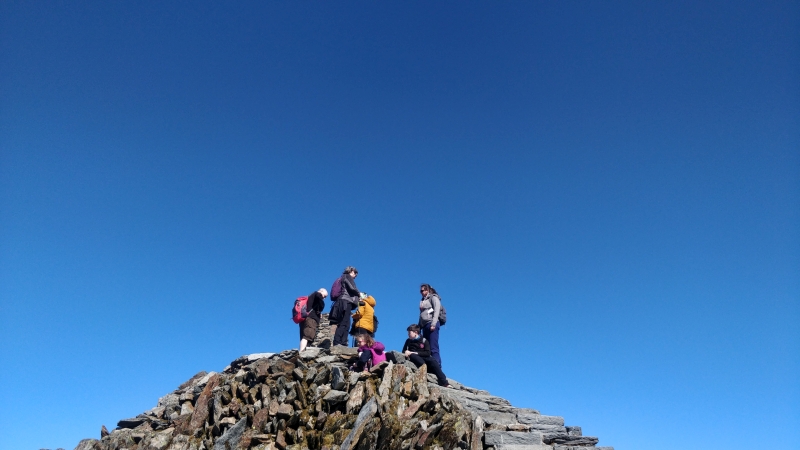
606	194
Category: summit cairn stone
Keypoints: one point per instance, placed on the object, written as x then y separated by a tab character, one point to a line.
312	401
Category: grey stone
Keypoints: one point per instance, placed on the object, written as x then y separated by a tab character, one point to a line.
160	440
524	447
310	353
187	408
88	444
328	359
396	357
131	423
334	396
232	436
337	378
497	418
344	350
367	412
574	431
171	403
496	438
564	439
538	419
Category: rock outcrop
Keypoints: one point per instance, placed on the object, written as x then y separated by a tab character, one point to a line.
311	400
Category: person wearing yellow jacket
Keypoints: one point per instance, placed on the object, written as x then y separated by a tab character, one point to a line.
364	317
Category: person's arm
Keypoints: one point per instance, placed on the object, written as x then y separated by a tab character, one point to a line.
318	303
350	288
437	305
405	348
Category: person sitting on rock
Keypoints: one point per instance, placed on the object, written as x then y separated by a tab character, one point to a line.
308	327
370	353
418	350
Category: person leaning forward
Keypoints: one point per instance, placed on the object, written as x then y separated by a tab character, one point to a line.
343	305
364	317
308	327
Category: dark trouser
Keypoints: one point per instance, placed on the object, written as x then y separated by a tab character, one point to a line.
433	338
433	367
363	360
342	328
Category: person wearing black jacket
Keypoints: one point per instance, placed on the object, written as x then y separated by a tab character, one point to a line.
308	327
348	299
418	350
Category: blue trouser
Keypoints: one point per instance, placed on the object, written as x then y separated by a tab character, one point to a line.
433	338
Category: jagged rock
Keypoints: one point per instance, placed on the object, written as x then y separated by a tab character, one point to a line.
356	397
231	438
310	353
131	423
366	413
103	431
88	444
337	379
334	396
293	401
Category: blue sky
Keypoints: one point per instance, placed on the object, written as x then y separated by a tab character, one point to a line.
607	196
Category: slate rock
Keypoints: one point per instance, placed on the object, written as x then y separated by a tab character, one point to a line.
538	419
231	438
310	353
572	440
495	438
337	378
334	396
396	357
343	350
131	423
367	412
574	431
88	444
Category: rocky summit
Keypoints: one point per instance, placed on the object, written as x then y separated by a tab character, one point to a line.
312	401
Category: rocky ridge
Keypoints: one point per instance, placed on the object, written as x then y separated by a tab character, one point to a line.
312	401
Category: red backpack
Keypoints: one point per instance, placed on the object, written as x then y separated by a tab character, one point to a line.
300	309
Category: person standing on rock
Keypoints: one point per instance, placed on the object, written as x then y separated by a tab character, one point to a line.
429	309
364	317
349	298
308	327
417	350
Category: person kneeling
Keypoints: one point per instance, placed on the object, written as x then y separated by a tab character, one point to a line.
417	350
370	352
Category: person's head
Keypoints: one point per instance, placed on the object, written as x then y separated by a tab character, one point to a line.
364	339
350	270
426	289
323	292
413	331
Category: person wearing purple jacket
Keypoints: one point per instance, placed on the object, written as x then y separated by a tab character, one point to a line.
370	352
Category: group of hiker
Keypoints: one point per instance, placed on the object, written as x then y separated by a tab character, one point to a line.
421	347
